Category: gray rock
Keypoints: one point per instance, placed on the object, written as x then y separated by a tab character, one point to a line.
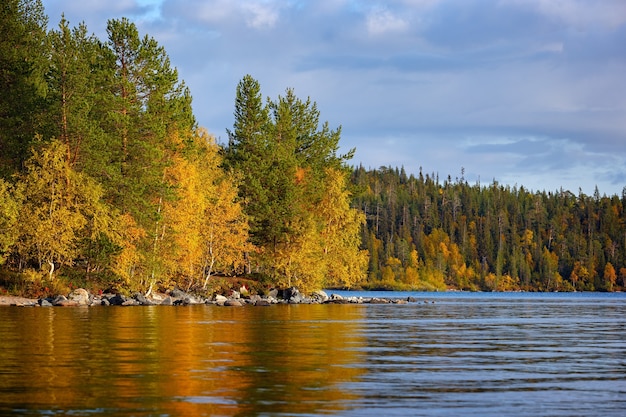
63	301
232	303
273	293
319	297
262	303
143	300
167	301
80	296
254	298
44	303
178	293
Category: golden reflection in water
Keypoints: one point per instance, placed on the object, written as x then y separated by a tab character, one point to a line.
200	360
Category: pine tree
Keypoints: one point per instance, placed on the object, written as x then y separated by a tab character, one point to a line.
23	64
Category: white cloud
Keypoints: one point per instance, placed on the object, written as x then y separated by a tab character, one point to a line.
260	14
381	21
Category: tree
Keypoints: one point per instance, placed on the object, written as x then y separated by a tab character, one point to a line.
10	205
208	228
78	70
23	63
609	276
61	208
148	107
344	262
288	166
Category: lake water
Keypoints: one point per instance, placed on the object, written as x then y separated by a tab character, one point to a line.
450	354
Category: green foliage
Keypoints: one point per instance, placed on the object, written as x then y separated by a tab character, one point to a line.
288	165
23	63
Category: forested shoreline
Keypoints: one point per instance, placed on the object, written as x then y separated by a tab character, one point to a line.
107	182
427	233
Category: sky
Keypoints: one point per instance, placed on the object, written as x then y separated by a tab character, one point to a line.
527	93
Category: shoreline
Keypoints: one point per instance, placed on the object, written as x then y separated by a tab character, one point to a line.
82	298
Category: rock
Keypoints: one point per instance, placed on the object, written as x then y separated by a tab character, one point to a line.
44	303
291	295
411	299
105	302
143	300
167	301
130	302
336	297
80	296
262	303
319	297
232	303
117	300
63	301
178	293
219	299
235	295
273	293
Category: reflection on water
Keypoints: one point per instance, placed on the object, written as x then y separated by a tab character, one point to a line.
200	360
478	355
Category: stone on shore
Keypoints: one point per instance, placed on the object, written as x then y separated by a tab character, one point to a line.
80	296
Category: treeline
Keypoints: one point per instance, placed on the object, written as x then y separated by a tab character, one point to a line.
106	180
424	233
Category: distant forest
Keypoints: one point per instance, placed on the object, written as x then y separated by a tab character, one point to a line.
427	233
107	182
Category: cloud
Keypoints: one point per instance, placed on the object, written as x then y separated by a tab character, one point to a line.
525	91
381	21
257	14
579	14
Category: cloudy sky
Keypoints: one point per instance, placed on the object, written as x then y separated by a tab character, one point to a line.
527	92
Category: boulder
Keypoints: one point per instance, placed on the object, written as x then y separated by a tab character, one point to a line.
262	303
232	303
79	296
143	300
178	293
220	299
319	297
44	303
117	300
167	301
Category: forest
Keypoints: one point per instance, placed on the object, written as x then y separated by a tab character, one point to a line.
107	182
425	233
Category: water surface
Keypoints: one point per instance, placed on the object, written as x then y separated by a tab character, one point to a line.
449	354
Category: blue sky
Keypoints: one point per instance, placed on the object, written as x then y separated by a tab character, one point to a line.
527	92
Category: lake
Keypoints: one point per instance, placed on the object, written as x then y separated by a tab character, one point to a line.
449	354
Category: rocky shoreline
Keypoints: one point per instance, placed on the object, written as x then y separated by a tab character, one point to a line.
82	298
